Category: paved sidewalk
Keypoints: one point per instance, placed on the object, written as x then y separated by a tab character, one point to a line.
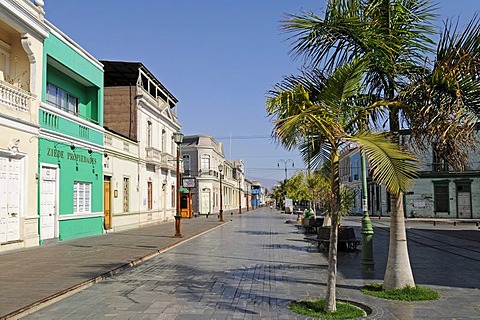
254	266
32	276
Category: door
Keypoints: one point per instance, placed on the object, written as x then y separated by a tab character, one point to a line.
205	203
107	217
10	199
48	202
464	208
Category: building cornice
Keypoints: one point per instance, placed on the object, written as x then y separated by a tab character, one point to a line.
75	46
24	20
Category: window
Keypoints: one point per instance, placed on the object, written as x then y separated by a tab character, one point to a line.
150	195
205	163
149	133
174	205
62	99
441	197
186	164
439	164
164	139
82	197
126	205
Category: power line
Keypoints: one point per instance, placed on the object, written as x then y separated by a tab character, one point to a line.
243	137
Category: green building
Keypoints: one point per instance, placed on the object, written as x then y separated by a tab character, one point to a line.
70	143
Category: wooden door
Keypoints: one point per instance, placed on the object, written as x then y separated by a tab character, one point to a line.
107	216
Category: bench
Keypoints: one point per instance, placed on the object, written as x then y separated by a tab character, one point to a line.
310	225
346	239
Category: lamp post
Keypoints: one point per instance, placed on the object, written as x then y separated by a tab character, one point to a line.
220	216
178	138
367	229
285	162
239	197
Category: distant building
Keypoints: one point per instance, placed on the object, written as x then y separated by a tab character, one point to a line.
202	155
438	192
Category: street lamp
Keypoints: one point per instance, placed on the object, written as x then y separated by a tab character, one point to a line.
368	263
239	197
285	162
220	169
178	138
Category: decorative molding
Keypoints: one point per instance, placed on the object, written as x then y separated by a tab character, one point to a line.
73	216
26	44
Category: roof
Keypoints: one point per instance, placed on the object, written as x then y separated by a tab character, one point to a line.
123	73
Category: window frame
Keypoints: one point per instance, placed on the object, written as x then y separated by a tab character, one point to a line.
205	159
126	188
62	99
82	197
439	201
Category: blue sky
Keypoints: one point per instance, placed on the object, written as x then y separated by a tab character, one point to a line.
218	57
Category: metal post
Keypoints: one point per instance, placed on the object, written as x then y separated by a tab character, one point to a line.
178	138
178	217
239	198
367	229
220	213
285	162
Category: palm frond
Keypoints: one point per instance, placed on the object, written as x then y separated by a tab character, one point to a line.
390	166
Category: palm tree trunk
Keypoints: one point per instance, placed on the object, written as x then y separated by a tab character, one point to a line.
398	274
330	297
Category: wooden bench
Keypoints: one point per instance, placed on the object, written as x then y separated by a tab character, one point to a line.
346	239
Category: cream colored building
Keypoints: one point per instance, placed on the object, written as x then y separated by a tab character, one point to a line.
22	32
141	113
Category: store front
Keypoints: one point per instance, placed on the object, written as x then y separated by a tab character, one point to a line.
70	191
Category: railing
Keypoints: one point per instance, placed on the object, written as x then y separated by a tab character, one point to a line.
168	160
440	167
15	97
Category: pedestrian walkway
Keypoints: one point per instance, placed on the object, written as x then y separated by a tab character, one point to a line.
253	267
31	277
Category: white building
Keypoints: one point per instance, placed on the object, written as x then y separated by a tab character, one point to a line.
202	155
140	109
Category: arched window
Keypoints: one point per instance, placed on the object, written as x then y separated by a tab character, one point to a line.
186	164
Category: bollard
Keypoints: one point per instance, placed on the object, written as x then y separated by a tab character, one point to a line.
454	223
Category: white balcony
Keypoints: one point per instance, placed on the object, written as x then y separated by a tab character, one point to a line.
14	97
153	156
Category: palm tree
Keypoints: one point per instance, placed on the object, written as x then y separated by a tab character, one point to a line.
326	116
395	36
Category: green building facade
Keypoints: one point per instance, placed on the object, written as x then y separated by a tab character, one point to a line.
70	144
